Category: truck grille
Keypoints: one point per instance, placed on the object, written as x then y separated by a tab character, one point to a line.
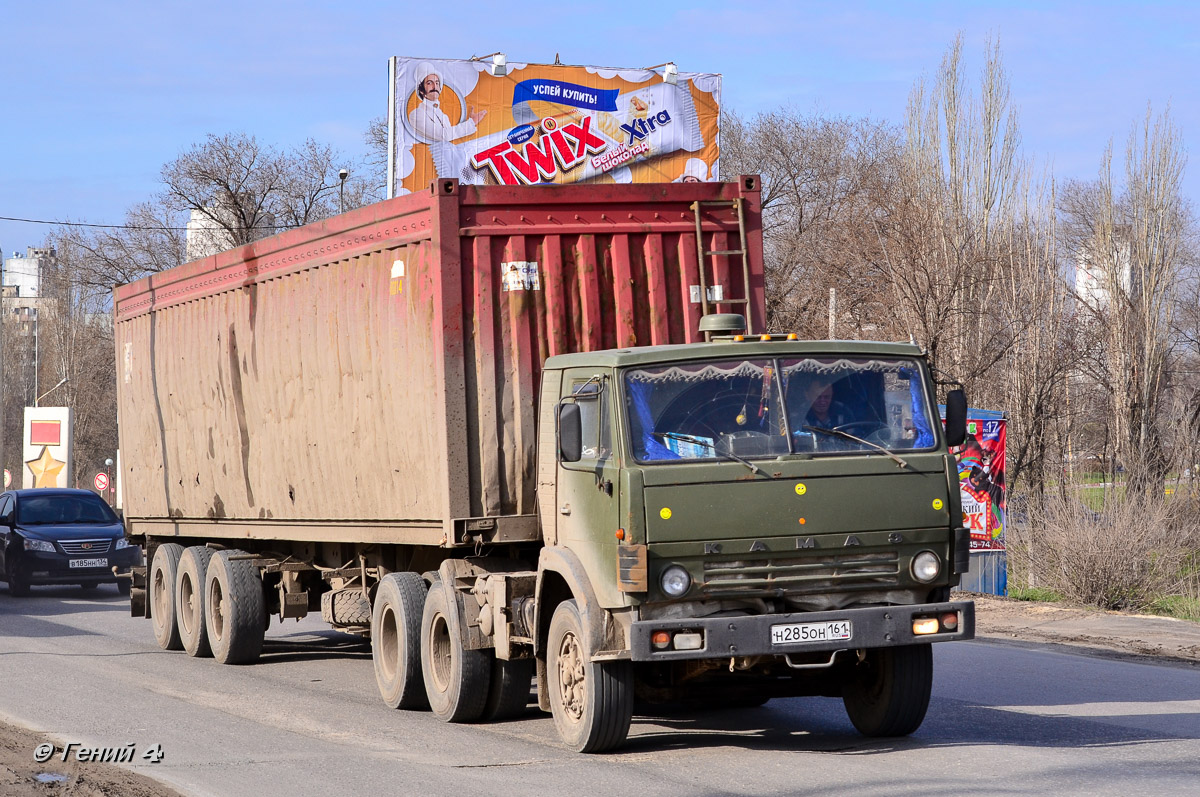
79	547
802	575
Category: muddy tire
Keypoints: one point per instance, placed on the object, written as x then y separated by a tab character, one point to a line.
887	693
396	640
189	600
456	679
161	595
233	609
349	607
592	701
508	696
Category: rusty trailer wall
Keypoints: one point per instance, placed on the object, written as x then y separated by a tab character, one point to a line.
378	372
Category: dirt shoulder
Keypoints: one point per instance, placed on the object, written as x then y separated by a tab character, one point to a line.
21	775
1120	635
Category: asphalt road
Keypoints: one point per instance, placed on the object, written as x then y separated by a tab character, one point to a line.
308	720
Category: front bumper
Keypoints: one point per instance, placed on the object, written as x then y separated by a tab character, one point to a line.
750	635
45	568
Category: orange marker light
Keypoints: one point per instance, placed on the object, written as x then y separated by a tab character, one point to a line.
793	336
620	534
764	337
802	521
738	338
660	639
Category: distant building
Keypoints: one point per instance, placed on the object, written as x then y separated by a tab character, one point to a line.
206	236
1096	275
22	278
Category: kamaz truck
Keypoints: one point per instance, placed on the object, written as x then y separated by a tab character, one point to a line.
538	437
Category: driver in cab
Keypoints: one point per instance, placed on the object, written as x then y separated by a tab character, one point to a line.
823	412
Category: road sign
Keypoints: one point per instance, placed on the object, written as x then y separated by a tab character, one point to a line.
7	478
101	481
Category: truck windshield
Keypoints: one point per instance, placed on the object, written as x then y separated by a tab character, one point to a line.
768	407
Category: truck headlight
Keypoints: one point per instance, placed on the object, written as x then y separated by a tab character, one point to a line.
121	543
675	581
926	566
38	545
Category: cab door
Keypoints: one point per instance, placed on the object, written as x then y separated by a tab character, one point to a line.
587	510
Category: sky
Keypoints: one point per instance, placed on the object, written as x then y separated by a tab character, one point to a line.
96	97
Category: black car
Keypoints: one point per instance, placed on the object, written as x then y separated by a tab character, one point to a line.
53	536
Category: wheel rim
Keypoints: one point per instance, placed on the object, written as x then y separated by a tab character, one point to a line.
389	643
572	679
162	600
216	604
187	596
441	653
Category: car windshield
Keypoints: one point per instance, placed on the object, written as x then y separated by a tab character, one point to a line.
769	407
46	509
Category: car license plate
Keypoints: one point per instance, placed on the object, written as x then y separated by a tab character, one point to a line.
830	631
101	562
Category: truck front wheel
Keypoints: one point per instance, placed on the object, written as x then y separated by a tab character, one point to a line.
592	701
163	572
887	691
396	640
456	679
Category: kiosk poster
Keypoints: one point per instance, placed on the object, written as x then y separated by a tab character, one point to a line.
541	123
981	479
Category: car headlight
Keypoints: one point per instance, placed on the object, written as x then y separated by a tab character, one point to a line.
926	566
38	545
675	581
121	543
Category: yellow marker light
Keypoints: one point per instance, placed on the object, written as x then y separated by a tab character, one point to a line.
665	513
793	336
925	625
802	521
738	338
937	503
801	489
764	337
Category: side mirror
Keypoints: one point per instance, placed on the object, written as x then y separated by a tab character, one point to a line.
570	433
956	418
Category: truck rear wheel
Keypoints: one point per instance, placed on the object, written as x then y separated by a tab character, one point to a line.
887	693
509	693
163	572
189	600
233	609
456	679
396	640
592	701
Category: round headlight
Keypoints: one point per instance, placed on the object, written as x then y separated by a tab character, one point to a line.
926	566
675	581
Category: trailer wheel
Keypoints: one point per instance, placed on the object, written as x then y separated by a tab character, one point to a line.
163	574
456	679
508	695
888	691
189	600
233	609
592	701
396	640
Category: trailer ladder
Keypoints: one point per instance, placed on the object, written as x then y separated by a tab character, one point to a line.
703	254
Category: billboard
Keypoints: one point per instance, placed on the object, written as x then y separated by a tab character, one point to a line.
548	123
981	480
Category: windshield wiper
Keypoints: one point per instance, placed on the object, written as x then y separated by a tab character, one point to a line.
855	438
700	441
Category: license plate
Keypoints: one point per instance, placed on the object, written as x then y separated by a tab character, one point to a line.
101	562
829	631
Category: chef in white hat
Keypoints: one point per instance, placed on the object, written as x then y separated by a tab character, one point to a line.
428	120
694	171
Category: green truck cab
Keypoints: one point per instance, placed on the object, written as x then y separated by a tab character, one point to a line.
754	518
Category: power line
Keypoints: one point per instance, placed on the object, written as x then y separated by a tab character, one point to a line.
113	226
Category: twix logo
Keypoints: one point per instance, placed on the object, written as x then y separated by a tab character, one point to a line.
558	149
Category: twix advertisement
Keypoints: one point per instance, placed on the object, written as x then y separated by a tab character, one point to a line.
546	123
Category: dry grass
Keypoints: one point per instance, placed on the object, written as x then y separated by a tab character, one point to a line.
1136	553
